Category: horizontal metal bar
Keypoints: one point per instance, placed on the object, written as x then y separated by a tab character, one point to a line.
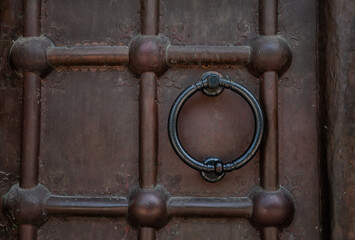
119	55
86	206
214	55
210	207
176	207
87	56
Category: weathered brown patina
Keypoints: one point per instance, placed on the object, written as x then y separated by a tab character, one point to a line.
99	80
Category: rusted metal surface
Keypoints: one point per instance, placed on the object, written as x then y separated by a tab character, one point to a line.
298	120
210	207
86	56
103	135
176	180
108	163
337	125
85	206
77	23
10	107
209	55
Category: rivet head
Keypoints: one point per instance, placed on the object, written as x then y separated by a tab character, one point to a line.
269	53
272	208
148	209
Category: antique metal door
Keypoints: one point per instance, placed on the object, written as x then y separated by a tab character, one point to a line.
143	120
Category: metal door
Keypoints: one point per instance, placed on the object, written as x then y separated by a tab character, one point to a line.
135	113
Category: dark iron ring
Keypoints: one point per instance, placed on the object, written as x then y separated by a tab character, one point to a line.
212	84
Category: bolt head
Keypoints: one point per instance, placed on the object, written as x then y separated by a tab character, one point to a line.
213	87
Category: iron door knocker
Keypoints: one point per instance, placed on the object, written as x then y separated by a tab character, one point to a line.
212	84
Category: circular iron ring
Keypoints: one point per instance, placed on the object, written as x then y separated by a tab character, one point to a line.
210	84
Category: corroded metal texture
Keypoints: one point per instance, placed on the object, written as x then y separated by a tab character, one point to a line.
210	207
87	56
207	55
337	125
10	106
85	206
96	136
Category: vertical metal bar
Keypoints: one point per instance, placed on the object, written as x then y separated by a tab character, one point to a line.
268	15
268	24
27	232
31	103
146	233
269	169
31	18
270	233
270	150
148	129
30	130
31	115
148	124
150	17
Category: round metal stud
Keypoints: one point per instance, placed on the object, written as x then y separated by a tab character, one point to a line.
272	208
213	89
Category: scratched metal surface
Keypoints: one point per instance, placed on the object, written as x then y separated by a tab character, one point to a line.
90	116
209	126
10	107
298	119
89	133
338	113
299	170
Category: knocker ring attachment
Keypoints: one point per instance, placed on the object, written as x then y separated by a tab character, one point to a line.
212	84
